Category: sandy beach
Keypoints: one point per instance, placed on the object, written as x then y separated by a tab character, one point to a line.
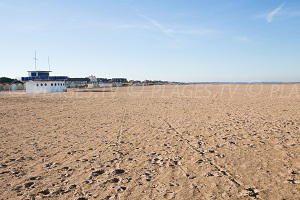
153	142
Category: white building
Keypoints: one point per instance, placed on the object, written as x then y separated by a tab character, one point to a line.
93	83
39	82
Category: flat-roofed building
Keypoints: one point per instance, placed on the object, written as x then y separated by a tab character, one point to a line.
39	82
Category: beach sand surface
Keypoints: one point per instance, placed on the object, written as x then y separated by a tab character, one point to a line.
152	142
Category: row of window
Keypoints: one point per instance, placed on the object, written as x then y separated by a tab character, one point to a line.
52	84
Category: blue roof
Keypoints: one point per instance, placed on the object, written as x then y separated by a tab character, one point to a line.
44	78
39	71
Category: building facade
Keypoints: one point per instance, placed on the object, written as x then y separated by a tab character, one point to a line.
39	82
77	82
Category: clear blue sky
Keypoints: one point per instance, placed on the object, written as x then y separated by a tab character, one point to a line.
186	40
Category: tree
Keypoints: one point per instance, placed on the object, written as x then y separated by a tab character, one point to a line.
6	80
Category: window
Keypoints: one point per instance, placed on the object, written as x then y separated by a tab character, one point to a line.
55	84
63	84
37	85
45	84
43	74
51	84
41	84
33	74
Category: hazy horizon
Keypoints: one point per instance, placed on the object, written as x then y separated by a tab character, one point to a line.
170	40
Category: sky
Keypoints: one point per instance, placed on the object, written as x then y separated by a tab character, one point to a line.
172	40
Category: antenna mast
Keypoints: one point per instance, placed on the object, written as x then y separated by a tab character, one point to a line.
35	60
49	62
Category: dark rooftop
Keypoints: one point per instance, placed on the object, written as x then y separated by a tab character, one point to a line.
78	79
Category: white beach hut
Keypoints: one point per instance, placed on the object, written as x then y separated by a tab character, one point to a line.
13	86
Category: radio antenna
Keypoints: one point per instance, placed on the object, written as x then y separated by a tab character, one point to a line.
49	62
35	59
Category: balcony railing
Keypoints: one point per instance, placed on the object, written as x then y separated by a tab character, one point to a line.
44	78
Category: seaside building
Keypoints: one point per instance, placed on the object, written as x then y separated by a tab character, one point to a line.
93	82
119	80
39	82
102	80
77	82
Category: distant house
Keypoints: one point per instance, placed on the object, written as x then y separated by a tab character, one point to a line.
77	82
119	80
93	82
102	80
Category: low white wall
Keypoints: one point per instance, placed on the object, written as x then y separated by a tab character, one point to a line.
44	87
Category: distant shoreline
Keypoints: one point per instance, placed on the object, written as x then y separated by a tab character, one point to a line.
236	83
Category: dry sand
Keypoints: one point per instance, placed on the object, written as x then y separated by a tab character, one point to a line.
155	142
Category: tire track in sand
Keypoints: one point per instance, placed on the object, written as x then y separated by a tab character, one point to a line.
224	171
